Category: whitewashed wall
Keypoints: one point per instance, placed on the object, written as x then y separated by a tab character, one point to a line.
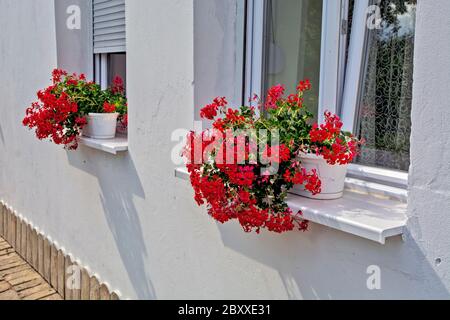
130	220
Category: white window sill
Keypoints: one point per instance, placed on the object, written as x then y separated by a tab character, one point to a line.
371	215
113	146
376	189
388	177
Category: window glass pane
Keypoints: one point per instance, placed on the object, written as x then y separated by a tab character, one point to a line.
384	110
293	42
117	66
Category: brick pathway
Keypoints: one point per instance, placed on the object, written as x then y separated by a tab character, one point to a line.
19	281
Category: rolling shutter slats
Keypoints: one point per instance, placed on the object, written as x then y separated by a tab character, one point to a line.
109	26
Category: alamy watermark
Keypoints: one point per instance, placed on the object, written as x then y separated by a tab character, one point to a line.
374	280
73	21
73	277
230	147
374	18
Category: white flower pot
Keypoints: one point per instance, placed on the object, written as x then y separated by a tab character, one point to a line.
332	177
101	125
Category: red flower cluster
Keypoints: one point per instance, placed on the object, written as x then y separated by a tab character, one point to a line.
284	222
304	86
55	115
295	100
310	180
274	95
230	195
117	86
125	120
334	145
58	75
210	111
327	131
277	154
109	107
241	176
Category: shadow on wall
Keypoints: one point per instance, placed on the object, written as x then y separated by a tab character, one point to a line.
2	137
326	264
119	184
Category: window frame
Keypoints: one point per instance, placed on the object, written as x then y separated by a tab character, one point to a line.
332	60
101	57
355	65
101	68
352	94
254	59
338	94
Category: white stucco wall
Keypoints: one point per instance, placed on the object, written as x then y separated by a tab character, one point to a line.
429	195
130	220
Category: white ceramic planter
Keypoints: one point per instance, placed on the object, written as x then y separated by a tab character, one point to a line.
332	177
101	125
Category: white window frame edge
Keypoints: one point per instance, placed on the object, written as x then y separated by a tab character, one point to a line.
240	58
351	95
332	61
101	70
355	63
254	59
344	27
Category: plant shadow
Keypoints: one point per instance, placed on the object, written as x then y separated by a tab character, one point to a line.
119	184
324	264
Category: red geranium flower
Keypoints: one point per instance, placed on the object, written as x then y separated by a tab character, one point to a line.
117	85
274	95
109	107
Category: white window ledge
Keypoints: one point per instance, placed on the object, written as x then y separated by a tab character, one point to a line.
113	146
376	189
374	217
390	177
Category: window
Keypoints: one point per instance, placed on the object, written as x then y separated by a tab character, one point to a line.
305	34
383	107
362	72
109	40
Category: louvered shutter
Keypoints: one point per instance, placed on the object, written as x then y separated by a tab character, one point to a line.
109	26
